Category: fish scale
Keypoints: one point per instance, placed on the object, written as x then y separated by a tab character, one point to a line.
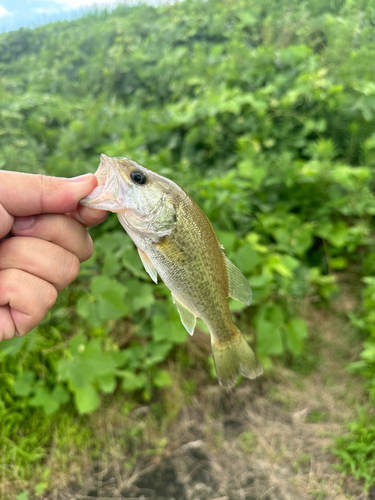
176	240
200	282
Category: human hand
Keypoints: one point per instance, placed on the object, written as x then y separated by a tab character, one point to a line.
49	242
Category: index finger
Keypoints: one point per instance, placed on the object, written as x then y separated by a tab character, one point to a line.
88	216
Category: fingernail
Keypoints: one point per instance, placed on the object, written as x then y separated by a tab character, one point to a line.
21	223
80	178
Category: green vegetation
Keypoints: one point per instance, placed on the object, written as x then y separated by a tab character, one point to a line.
265	113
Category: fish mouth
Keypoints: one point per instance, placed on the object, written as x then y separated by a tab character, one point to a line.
110	191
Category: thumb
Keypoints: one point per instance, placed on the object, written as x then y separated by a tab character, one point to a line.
28	194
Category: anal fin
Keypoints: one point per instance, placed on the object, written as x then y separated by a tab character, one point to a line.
148	265
239	288
187	317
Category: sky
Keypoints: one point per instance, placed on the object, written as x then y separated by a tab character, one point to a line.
30	13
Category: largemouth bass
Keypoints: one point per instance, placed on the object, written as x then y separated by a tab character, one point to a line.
176	241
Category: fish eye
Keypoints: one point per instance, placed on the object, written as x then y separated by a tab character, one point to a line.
138	177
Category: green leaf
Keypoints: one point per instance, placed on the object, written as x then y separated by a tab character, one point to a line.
132	262
102	285
278	263
368	353
86	399
60	394
336	234
73	371
227	239
78	344
301	239
338	263
111	265
269	339
235	305
24	383
50	402
87	308
119	358
135	356
95	361
157	352
164	329
176	331
268	323
107	382
132	381
260	281
140	294
106	302
44	399
275	313
23	496
13	346
246	258
40	488
289	262
111	306
296	332
162	379
112	241
255	174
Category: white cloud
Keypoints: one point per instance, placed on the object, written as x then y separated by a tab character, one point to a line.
41	10
3	11
75	4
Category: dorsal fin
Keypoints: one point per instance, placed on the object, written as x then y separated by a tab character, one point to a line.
239	288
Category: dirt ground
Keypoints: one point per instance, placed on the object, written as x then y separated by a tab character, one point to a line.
268	439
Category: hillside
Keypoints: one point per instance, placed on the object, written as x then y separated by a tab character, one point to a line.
265	113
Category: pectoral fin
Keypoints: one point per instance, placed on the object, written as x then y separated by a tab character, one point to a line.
171	251
188	318
149	267
239	288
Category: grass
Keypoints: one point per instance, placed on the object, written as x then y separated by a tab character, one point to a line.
285	421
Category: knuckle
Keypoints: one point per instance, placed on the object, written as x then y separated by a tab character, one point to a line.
42	184
48	298
3	253
6	335
10	249
8	281
88	250
69	267
48	189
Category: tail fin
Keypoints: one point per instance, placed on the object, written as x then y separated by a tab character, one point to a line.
233	357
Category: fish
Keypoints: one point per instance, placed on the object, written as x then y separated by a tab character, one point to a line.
176	241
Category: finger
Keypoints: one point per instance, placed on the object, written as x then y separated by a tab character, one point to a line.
88	216
6	222
40	258
7	329
28	297
59	229
28	194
